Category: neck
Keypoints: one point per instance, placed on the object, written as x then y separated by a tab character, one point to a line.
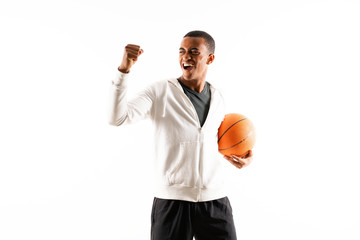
196	85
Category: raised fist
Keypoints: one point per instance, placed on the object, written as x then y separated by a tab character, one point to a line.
131	54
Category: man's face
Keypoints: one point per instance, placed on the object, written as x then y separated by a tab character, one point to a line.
194	57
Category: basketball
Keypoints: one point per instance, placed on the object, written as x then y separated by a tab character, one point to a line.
236	135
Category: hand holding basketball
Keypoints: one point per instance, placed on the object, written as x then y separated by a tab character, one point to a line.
131	54
240	162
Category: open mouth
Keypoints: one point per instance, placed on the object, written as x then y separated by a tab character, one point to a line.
188	66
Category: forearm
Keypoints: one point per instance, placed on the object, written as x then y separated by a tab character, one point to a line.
124	111
118	103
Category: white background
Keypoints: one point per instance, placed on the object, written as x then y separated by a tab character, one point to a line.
291	66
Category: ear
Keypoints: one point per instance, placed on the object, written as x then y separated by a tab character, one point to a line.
210	59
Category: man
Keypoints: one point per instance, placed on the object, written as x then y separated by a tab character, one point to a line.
189	200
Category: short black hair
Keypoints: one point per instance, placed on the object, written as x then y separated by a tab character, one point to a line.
210	42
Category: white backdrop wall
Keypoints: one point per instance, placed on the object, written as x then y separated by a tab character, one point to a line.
291	66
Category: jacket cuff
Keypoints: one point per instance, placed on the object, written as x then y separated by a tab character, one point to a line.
121	79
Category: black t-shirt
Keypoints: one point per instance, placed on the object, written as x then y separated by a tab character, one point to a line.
201	101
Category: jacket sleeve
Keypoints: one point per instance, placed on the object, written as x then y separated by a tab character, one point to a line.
123	111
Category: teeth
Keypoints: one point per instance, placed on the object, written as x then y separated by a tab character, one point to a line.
188	65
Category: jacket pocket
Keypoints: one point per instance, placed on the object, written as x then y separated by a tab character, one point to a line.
185	168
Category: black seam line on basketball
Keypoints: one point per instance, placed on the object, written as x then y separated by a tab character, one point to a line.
229	128
233	145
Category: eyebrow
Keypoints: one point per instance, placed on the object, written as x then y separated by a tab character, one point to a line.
190	49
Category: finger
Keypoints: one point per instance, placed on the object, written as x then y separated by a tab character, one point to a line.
133	51
134	54
234	162
244	161
134	48
234	158
239	159
249	154
237	164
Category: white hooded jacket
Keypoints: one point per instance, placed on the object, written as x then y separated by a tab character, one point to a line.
187	162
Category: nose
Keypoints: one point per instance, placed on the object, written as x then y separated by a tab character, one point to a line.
187	56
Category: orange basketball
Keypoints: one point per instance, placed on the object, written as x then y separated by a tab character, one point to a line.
236	135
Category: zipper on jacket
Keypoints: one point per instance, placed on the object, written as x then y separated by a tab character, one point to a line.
199	136
191	104
194	110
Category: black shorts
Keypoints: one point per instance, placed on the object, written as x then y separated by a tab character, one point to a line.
183	220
